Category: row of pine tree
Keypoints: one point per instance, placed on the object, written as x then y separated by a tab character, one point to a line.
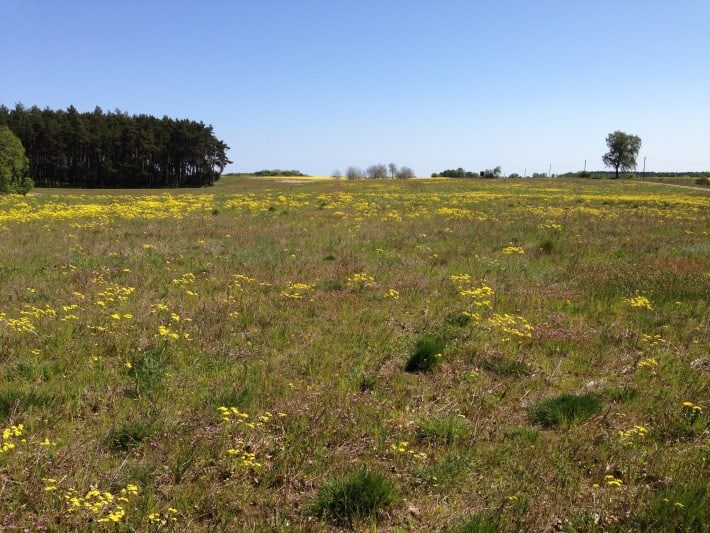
67	148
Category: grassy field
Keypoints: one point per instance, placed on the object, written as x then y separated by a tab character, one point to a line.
415	355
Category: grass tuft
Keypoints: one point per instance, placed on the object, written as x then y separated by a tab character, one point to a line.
443	430
358	495
564	409
427	354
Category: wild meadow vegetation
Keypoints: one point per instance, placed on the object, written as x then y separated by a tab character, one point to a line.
404	355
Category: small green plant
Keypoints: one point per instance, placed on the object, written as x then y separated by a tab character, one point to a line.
426	355
443	430
357	495
505	367
621	394
564	409
547	246
366	383
124	437
14	401
459	319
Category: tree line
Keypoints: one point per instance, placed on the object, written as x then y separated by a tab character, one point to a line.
67	148
378	171
462	173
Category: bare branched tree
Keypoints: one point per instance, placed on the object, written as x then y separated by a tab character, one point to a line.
405	172
376	171
353	173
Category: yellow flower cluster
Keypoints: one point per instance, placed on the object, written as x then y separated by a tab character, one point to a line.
392	293
511	250
101	506
297	290
402	447
242	455
244	459
9	435
360	280
649	362
481	295
185	280
162	519
652	340
629	436
613	481
513	325
639	302
692	407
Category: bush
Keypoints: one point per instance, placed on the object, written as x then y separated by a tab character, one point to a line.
360	494
703	180
566	408
426	355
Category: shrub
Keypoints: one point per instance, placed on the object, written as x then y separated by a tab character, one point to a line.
703	180
566	408
359	494
426	355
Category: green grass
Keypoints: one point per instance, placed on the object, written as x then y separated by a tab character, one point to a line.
564	409
236	353
426	355
355	496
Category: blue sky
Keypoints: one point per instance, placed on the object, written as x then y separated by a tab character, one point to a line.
321	85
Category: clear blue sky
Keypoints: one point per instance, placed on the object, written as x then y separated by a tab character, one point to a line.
318	85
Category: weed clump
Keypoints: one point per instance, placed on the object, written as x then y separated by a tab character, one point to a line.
426	355
357	495
564	409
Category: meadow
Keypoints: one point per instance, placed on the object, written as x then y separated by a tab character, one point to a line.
395	355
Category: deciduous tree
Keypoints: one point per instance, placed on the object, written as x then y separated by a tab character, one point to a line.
14	166
623	150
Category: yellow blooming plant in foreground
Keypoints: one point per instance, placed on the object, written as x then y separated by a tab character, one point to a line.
639	302
360	280
630	436
10	436
296	291
101	506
